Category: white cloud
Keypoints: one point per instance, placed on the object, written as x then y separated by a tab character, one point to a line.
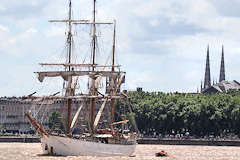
55	31
2	8
161	44
154	22
3	28
27	34
13	44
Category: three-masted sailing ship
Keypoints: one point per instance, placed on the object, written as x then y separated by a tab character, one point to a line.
98	141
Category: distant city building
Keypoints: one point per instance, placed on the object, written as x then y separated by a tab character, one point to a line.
13	109
222	85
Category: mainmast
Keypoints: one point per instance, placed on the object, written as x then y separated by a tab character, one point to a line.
69	40
69	90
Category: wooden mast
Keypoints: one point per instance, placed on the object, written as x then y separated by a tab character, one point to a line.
69	90
94	32
113	63
114	44
93	89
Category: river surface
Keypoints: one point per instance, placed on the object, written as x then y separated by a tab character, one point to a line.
32	151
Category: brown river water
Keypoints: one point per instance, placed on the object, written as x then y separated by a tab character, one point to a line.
32	151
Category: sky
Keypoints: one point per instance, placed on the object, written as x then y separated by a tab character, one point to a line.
160	44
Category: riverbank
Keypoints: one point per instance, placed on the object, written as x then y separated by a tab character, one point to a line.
201	142
152	141
19	139
33	151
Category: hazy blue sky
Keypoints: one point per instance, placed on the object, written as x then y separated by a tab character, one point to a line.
161	44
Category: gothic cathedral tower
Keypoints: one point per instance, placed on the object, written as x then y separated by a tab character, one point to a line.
222	67
207	78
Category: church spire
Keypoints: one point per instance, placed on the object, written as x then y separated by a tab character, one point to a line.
222	67
207	78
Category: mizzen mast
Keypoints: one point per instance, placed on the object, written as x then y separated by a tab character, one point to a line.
113	78
114	46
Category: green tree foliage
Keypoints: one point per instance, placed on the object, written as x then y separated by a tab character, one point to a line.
199	114
1	128
55	121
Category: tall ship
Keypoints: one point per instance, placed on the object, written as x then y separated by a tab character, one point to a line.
96	140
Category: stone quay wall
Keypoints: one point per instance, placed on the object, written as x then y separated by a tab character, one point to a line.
189	142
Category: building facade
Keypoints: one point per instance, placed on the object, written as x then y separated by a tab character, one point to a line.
13	109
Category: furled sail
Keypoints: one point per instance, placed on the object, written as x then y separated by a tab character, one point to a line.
121	80
66	74
99	113
100	77
74	121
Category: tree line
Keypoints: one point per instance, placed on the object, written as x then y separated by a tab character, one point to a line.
198	114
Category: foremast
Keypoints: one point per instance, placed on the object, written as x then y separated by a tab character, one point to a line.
93	89
69	90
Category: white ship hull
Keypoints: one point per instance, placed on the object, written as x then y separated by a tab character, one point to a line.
66	146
